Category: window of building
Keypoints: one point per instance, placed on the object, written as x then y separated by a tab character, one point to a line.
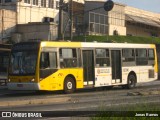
35	2
97	27
68	57
51	3
102	58
7	1
154	34
128	55
92	17
57	4
43	3
97	23
27	1
141	57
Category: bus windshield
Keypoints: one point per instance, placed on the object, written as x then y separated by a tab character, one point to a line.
23	62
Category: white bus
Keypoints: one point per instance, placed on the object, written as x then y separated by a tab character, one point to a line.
73	65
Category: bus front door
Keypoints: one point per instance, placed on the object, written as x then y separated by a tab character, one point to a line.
88	67
116	66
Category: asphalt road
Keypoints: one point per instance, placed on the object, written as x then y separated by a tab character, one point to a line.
81	100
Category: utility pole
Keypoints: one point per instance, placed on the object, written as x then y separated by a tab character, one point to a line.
71	19
2	25
60	25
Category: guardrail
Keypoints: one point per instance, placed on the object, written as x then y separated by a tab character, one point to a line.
3	82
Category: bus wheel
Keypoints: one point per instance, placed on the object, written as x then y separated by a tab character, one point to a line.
131	81
69	85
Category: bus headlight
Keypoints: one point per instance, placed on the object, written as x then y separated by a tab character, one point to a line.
9	80
33	80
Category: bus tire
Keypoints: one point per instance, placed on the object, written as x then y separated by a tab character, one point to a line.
124	86
131	83
69	85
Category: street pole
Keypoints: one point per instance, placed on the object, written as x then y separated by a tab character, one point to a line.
60	25
71	19
2	25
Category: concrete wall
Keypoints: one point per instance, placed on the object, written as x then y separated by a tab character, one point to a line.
120	30
116	19
35	31
136	29
22	13
30	13
7	24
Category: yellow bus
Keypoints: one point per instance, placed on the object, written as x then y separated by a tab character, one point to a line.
4	57
67	66
4	61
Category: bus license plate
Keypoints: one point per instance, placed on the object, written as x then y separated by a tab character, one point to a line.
19	85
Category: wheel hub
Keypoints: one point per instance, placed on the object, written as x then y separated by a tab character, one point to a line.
69	85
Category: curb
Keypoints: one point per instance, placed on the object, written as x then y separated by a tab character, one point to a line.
34	101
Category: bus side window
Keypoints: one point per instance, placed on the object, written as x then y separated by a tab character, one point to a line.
128	55
151	54
102	58
48	60
141	57
151	57
44	60
68	57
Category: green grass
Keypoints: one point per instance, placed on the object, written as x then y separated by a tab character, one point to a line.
118	39
136	108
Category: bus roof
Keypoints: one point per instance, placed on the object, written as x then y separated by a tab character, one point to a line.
95	44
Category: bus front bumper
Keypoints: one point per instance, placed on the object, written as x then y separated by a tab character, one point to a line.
23	86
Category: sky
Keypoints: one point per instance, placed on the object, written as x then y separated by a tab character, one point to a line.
149	5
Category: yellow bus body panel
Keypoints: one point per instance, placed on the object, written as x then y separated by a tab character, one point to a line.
156	62
56	80
61	44
23	79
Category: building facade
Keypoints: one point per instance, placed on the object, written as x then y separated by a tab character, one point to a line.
14	12
142	23
86	19
121	20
